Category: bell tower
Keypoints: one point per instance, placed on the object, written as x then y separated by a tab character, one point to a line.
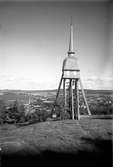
71	82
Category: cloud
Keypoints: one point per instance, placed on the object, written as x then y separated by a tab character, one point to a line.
95	82
15	82
25	83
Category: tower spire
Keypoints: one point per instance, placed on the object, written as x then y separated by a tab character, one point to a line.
71	52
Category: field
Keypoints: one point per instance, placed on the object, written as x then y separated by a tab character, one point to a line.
23	96
87	142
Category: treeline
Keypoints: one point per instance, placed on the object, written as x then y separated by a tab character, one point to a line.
98	106
15	113
103	106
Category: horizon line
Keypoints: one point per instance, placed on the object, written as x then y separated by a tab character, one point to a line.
50	89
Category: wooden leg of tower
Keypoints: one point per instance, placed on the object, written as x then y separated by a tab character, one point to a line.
64	90
69	96
59	88
75	93
72	101
78	111
89	113
58	91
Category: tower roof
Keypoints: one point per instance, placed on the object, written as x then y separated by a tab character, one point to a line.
70	62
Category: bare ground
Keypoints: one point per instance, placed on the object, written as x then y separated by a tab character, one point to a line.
84	142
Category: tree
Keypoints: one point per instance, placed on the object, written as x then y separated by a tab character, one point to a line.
2	111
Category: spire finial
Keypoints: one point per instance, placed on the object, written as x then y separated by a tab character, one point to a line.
71	21
70	52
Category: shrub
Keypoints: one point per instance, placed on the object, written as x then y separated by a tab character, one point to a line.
65	115
3	111
14	114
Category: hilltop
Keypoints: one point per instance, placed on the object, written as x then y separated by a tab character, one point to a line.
85	142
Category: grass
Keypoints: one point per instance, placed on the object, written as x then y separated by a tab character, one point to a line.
84	142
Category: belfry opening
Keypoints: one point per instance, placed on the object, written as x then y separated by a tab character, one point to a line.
71	81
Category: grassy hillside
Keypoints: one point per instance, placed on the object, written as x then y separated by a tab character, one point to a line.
87	142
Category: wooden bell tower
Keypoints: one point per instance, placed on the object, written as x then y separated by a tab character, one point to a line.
71	80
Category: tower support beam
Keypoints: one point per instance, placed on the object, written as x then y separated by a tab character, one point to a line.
65	94
72	100
78	111
59	88
89	113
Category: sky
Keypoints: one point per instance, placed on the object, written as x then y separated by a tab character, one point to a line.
34	39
